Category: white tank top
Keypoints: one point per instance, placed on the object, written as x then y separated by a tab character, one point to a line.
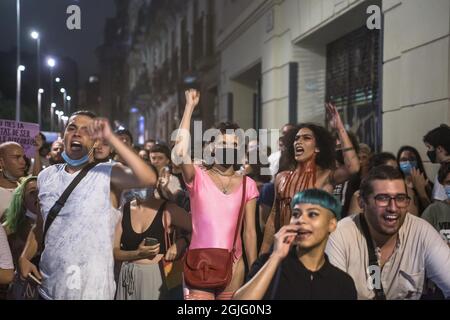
78	262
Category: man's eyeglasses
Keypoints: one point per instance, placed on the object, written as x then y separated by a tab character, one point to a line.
401	200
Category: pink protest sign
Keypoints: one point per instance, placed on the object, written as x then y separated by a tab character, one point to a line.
21	132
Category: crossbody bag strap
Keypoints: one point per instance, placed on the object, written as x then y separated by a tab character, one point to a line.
373	260
59	204
241	212
167	241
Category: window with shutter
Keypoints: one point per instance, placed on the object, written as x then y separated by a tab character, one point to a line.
353	83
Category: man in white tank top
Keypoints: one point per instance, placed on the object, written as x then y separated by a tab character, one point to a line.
77	262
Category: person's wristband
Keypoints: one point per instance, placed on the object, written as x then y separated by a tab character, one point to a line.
348	149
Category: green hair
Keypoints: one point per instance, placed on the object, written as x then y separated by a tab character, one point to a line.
15	214
320	198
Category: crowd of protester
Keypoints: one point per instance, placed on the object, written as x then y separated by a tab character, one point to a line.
94	216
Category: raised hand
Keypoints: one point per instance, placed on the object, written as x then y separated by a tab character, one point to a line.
418	180
333	117
192	98
148	252
284	240
164	177
100	129
26	268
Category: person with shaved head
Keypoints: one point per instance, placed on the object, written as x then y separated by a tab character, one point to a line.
12	168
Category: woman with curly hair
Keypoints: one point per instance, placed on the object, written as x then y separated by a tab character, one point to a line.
310	154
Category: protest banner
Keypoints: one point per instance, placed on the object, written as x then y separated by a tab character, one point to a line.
23	133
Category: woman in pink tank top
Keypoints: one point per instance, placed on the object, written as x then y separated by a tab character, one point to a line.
216	196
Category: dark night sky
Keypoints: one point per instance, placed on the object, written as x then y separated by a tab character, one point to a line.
49	18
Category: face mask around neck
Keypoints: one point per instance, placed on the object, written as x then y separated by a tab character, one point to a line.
31	215
9	176
75	163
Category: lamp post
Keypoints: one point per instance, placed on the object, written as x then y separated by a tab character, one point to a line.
64	92
40	92
20	69
69	99
35	35
51	63
18	60
64	119
52	116
59	114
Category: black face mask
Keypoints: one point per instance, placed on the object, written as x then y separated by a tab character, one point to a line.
432	155
226	157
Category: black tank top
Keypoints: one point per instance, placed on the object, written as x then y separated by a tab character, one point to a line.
131	240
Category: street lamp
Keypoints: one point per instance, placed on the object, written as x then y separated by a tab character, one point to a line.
40	92
35	36
65	119
64	92
20	69
18	60
52	116
60	114
51	63
69	99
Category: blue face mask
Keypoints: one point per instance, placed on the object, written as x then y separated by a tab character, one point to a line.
75	163
407	166
447	191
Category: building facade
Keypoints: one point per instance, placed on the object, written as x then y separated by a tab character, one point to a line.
264	63
284	59
170	47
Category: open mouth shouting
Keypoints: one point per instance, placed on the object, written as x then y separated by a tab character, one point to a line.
76	146
299	151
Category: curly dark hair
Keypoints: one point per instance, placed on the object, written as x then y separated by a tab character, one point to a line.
326	158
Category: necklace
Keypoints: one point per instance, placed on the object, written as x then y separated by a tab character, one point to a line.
224	190
222	173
